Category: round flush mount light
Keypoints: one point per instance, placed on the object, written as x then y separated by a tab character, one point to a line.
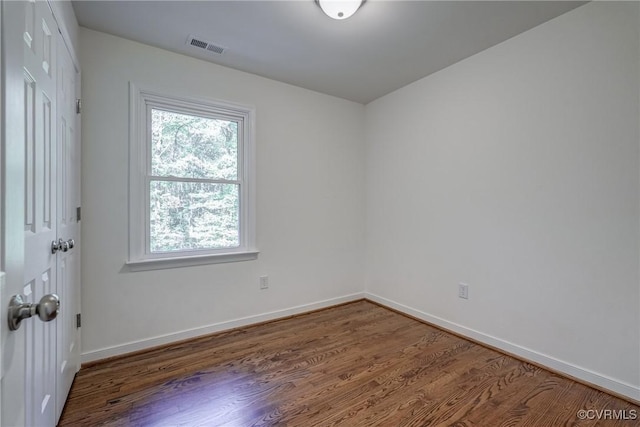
339	9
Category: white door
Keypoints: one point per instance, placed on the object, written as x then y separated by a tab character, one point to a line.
37	367
41	168
13	209
68	199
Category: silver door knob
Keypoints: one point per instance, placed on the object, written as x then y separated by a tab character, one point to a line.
47	309
59	245
62	245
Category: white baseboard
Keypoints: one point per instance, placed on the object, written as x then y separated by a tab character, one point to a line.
569	369
130	347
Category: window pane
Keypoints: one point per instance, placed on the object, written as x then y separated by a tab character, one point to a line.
193	215
187	146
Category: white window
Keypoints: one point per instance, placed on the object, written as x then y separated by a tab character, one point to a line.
191	182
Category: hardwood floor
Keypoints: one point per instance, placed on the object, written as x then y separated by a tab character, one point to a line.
354	365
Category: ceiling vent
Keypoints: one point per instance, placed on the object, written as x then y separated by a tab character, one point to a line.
199	43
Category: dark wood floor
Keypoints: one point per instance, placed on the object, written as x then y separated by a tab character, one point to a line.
353	365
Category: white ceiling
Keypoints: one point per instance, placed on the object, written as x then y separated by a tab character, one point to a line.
384	46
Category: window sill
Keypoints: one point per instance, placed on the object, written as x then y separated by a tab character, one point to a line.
176	262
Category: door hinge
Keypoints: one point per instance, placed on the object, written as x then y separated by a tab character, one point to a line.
78	106
78	213
78	320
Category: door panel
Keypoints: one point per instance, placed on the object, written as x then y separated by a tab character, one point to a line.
68	228
40	268
40	356
13	207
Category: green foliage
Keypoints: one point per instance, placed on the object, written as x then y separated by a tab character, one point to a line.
187	146
193	214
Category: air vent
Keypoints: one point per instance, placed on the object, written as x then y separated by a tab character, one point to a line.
202	44
215	49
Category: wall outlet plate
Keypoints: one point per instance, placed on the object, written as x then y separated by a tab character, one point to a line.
463	290
264	282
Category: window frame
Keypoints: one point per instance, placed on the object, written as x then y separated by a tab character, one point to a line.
142	101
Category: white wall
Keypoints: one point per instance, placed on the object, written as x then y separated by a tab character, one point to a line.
310	187
516	171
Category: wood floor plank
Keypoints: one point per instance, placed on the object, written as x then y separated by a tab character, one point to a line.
358	364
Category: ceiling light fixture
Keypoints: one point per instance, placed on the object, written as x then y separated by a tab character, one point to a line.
339	9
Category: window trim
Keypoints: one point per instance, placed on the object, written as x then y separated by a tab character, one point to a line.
140	257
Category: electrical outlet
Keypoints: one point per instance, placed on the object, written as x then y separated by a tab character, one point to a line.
463	290
264	282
